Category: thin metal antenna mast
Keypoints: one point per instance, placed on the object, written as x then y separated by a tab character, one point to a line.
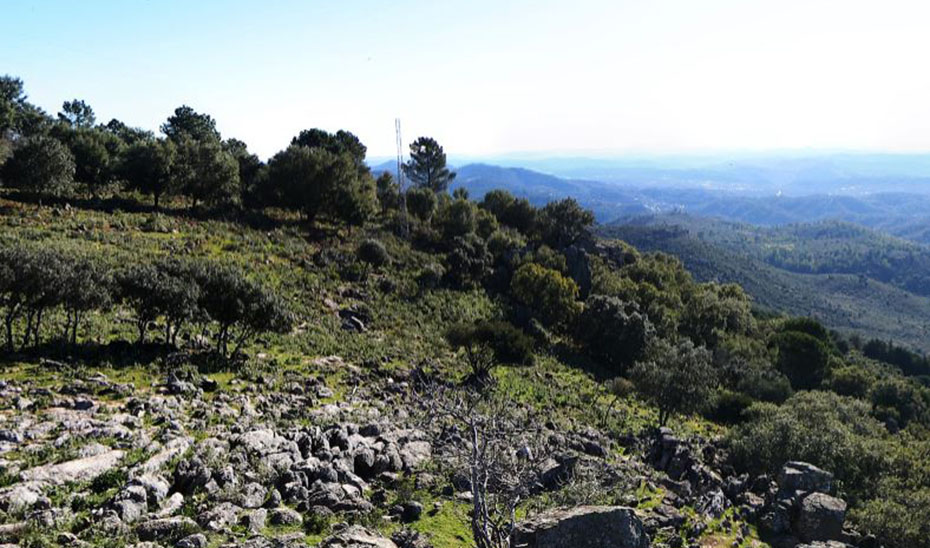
400	178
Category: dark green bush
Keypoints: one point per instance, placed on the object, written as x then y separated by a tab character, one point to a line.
468	262
613	330
491	343
431	276
830	431
373	252
728	407
850	381
803	358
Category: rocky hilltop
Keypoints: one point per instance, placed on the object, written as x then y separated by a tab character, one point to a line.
266	462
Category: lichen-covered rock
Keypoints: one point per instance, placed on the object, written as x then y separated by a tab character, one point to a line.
583	527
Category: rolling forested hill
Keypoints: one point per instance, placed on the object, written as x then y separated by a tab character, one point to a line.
852	278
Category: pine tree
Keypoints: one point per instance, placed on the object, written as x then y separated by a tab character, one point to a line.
427	165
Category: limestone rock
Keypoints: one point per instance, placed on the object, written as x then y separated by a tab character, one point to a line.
357	537
583	527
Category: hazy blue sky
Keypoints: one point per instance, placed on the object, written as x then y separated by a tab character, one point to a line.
488	77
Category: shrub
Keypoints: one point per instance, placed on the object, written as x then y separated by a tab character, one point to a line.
421	203
802	358
468	262
563	223
850	381
516	213
504	244
901	400
551	296
430	276
728	407
87	287
807	325
714	310
486	224
154	291
459	218
373	252
490	343
32	281
823	428
766	385
240	307
613	330
42	165
895	519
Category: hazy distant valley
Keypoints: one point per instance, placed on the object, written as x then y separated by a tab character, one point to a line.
806	236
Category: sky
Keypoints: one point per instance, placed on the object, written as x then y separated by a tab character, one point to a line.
489	78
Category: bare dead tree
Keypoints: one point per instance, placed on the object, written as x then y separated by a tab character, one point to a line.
498	447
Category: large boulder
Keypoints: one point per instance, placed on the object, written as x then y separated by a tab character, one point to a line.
583	527
73	471
821	518
801	476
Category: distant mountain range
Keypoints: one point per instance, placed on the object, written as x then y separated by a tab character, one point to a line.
845	238
882	192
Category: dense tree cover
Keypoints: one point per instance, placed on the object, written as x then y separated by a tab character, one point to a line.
887	351
320	171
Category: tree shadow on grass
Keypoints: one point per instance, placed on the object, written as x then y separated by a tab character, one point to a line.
256	219
116	354
572	357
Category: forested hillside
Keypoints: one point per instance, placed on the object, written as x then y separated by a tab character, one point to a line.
204	349
852	278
